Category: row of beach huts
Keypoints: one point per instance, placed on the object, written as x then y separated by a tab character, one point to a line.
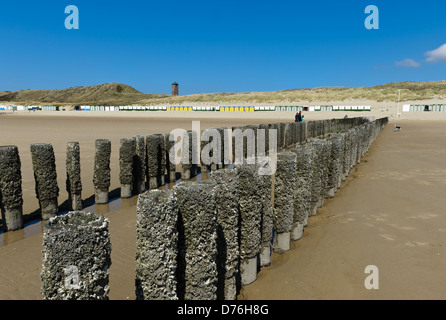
406	108
189	108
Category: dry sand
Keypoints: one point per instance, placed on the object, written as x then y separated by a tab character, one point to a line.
390	215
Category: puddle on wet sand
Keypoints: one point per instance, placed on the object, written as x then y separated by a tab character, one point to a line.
36	226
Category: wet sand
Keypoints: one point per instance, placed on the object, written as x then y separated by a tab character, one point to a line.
389	213
20	251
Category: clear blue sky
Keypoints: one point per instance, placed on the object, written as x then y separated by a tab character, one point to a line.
220	45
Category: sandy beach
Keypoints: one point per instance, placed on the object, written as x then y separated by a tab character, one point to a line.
388	213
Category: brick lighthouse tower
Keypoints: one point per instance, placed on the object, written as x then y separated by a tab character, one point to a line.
174	89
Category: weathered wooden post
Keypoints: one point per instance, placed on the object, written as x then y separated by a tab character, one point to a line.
47	190
11	197
74	183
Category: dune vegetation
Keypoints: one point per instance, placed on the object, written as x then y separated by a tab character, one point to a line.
120	94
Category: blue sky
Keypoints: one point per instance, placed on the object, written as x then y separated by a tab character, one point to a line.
220	45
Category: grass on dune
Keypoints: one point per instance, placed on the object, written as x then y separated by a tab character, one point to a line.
121	94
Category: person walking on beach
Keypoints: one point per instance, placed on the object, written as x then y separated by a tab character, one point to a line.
298	117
